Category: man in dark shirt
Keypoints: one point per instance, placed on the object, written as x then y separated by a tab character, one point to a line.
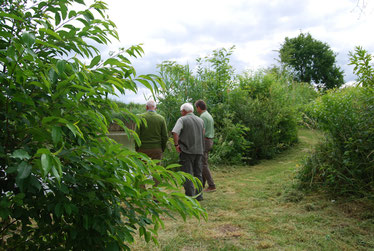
188	134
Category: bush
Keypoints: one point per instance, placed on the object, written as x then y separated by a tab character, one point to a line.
253	113
261	103
230	145
344	161
64	184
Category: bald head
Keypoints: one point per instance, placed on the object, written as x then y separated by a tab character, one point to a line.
151	105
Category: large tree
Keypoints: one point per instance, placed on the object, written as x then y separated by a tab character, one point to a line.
312	61
64	185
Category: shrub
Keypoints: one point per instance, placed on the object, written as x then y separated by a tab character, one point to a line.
64	184
261	103
344	161
253	113
230	144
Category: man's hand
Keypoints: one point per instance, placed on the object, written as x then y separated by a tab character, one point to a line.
178	148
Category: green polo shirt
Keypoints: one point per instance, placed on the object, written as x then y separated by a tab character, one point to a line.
154	135
208	124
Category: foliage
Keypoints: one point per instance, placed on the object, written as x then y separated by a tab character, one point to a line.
312	61
231	143
212	83
262	103
344	161
131	108
253	115
64	184
177	79
363	66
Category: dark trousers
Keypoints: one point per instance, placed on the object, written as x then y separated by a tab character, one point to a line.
191	163
153	153
207	176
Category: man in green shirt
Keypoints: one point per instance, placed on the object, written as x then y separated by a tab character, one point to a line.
153	135
201	108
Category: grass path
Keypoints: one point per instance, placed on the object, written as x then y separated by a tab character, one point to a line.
256	207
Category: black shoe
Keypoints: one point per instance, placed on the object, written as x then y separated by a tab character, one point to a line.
200	198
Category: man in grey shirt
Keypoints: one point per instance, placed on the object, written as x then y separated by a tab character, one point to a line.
188	134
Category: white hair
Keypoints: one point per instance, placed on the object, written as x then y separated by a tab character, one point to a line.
187	107
151	104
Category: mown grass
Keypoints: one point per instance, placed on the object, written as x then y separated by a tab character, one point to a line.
257	207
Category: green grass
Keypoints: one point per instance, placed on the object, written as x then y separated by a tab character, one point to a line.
257	207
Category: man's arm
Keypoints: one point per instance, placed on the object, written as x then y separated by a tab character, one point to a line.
176	140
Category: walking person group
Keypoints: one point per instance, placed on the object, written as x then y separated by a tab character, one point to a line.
193	139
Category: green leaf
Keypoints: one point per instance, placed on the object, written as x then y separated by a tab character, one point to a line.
56	134
145	83
58	210
64	10
52	75
24	170
57	18
25	99
57	164
147	236
20	154
114	61
28	38
38	41
11	16
41	151
46	164
72	13
88	16
51	32
72	129
113	246
85	222
95	61
38	84
56	174
61	64
35	183
6	34
47	84
67	208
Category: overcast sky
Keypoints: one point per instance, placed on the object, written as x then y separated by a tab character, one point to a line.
182	31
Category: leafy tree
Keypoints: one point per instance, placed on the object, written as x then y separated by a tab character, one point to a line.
252	113
63	183
363	67
343	161
312	61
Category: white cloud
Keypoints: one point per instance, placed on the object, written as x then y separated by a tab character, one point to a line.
140	97
185	30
